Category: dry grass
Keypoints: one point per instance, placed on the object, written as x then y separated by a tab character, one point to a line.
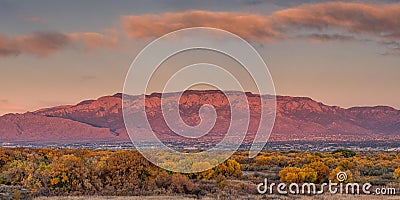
115	198
256	197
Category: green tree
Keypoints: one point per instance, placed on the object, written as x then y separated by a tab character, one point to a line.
345	152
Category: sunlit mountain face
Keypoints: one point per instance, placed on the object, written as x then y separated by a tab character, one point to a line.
297	118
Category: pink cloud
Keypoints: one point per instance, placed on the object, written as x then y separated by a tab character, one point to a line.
251	26
8	46
358	18
352	18
42	44
327	21
36	19
93	40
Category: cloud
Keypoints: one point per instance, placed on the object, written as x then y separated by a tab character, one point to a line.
42	44
36	19
322	37
39	44
250	26
8	46
352	18
93	40
392	48
378	21
315	21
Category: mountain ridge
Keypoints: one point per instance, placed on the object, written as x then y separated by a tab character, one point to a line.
297	118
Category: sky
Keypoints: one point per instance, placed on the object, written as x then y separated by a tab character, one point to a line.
343	53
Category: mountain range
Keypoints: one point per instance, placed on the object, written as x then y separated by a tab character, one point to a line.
297	118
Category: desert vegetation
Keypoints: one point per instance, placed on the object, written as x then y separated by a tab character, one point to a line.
76	172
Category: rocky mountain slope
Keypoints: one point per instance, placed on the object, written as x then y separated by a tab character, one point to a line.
297	118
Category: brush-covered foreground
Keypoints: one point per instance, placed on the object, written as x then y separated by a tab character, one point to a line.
101	173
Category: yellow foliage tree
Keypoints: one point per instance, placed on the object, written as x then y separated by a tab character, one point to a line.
321	169
290	175
396	173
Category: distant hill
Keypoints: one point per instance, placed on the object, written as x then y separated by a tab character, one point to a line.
297	118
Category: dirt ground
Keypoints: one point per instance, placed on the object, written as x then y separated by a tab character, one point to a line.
256	197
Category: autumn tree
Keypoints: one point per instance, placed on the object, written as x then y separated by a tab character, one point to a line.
321	169
290	175
298	175
396	173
